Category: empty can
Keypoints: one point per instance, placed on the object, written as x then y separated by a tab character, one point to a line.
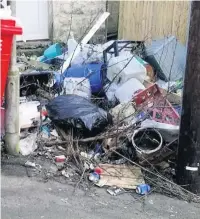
143	189
94	177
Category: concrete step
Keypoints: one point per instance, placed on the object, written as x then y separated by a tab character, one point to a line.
32	47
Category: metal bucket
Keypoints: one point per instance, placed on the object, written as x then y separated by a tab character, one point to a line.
147	141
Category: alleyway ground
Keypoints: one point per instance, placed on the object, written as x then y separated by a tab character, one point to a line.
26	197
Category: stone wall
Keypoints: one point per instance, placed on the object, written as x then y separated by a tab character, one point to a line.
77	16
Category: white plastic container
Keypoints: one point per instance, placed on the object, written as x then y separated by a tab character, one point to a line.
126	91
28	112
77	86
124	67
71	44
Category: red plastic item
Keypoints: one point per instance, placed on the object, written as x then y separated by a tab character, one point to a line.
8	30
151	100
98	170
60	158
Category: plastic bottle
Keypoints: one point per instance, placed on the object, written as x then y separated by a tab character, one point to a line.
72	44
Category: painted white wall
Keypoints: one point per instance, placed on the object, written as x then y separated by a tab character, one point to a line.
33	15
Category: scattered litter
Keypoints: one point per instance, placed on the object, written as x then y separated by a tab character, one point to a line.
53	51
85	155
65	200
60	158
54	133
72	44
151	202
45	132
98	148
64	173
53	168
143	189
121	176
28	145
94	177
61	148
30	164
115	191
149	69
120	161
60	161
97	107
98	170
163	165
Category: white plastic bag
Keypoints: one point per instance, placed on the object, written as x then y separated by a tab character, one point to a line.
110	90
77	86
72	44
28	145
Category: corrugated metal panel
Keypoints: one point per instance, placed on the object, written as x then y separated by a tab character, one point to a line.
146	20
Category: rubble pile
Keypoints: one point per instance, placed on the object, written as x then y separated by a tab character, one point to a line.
112	113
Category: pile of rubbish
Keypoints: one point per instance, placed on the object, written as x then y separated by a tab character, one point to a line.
113	110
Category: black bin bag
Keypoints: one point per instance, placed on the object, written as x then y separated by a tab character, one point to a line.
72	111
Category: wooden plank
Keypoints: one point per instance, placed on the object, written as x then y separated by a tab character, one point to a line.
122	176
121	19
142	20
180	20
